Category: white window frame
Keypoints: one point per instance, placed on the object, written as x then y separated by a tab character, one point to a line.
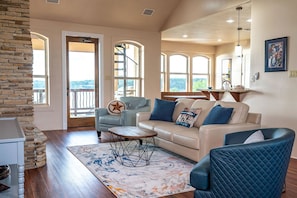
138	77
189	71
199	74
46	69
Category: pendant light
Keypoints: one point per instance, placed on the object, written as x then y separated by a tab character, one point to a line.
238	48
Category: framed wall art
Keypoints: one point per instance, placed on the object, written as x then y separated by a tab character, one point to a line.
276	54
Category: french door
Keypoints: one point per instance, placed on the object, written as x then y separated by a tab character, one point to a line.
82	80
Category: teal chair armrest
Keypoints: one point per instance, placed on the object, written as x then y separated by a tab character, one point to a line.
129	116
99	112
199	176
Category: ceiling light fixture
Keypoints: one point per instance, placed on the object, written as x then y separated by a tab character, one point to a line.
238	48
230	21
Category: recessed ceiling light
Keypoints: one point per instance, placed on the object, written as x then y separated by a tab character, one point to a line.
219	40
249	20
185	36
230	21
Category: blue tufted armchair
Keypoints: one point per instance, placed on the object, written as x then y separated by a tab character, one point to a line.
245	170
104	120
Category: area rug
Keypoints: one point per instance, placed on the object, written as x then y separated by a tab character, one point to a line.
166	173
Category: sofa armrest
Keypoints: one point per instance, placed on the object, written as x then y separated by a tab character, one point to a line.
254	118
212	136
142	116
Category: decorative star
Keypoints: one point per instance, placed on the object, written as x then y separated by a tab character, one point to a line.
117	106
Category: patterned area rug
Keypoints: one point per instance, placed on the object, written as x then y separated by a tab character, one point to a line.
166	173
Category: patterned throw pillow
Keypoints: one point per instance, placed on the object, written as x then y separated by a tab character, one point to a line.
115	107
188	117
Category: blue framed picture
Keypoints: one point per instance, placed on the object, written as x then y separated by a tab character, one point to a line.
276	54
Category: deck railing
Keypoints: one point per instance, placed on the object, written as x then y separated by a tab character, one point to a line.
82	101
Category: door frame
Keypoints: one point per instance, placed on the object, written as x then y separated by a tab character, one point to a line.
64	70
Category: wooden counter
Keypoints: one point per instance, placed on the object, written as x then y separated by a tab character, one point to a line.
175	95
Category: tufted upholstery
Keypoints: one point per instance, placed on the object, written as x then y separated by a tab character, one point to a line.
245	170
104	120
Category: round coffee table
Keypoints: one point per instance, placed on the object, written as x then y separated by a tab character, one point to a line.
132	146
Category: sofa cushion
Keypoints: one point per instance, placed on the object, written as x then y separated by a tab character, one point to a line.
206	106
187	117
163	110
149	124
178	134
240	111
181	104
188	138
218	115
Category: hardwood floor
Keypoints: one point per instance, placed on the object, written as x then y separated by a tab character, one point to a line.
64	176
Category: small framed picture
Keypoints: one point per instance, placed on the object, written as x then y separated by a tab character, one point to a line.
276	54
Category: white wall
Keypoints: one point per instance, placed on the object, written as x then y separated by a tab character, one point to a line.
274	93
53	117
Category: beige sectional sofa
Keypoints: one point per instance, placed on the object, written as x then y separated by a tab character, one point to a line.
195	142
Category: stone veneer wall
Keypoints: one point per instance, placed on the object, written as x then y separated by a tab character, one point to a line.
16	89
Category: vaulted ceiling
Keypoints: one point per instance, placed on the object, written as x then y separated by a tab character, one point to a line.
204	21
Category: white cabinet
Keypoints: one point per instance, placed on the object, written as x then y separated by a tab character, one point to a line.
12	140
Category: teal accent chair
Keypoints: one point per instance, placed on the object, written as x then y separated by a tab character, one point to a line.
245	170
104	120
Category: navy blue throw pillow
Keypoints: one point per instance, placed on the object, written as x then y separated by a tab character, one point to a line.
218	115
163	110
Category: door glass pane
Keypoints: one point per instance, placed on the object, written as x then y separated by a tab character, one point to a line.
81	79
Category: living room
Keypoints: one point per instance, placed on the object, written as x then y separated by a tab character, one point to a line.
273	99
278	97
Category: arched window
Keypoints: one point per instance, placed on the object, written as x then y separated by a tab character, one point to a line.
183	75
40	69
128	68
200	73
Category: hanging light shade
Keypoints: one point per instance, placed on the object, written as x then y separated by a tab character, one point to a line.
238	47
238	50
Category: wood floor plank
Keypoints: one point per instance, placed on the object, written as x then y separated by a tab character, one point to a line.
64	176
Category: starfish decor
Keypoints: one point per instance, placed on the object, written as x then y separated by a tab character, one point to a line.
116	106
